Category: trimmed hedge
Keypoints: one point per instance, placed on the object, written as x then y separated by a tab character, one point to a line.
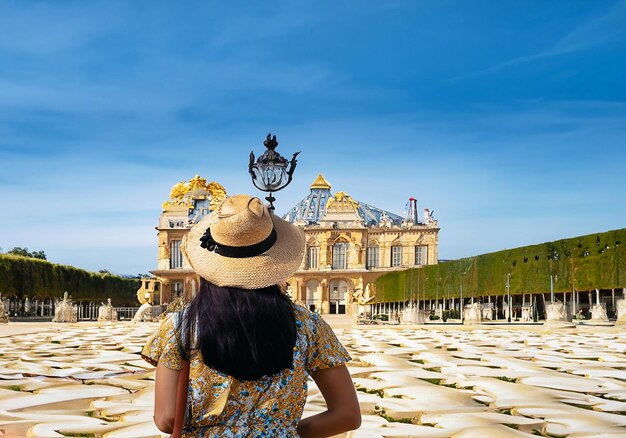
581	263
37	279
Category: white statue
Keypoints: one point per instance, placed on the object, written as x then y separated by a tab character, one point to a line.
64	310
144	313
439	312
429	217
555	311
527	313
487	311
598	313
385	222
4	317
412	314
106	312
473	313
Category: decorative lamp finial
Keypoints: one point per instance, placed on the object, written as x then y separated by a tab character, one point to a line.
271	172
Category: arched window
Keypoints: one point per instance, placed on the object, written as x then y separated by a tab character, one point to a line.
396	255
372	256
312	257
176	256
421	255
340	252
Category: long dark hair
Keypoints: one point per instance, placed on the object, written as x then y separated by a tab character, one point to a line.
244	333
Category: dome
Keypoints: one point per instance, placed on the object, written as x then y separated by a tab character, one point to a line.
320	183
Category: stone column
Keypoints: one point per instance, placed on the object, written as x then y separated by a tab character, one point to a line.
325	298
323	259
384	258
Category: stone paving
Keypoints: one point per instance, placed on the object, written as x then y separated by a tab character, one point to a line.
87	379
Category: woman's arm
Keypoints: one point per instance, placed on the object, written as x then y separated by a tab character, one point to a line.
165	385
343	412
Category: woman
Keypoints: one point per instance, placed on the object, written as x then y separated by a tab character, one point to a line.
250	349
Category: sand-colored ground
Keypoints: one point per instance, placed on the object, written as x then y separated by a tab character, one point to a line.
87	379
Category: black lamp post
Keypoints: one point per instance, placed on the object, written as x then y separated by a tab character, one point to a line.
271	172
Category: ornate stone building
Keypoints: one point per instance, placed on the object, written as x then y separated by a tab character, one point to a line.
189	202
349	244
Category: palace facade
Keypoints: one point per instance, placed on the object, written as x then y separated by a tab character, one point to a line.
349	244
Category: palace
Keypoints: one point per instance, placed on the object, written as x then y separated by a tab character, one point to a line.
349	244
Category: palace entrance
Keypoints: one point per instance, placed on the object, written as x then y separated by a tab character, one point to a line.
338	293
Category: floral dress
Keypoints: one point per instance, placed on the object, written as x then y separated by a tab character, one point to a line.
219	405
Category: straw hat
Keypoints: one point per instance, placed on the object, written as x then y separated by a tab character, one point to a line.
243	244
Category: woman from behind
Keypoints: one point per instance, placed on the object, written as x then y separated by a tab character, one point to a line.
249	349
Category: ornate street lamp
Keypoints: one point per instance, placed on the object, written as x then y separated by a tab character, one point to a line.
271	172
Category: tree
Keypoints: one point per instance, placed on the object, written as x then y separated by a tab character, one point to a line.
39	255
24	252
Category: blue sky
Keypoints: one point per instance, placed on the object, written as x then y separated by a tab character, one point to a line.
507	118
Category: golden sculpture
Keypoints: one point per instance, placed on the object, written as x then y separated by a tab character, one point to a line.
218	193
180	191
320	183
341	201
196	183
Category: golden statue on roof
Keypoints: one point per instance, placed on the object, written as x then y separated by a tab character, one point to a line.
180	191
197	183
341	201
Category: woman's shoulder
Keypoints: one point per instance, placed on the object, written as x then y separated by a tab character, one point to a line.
323	349
163	344
304	314
307	320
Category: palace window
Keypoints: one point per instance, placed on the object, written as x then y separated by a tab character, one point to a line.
176	257
396	255
311	257
421	255
372	257
340	251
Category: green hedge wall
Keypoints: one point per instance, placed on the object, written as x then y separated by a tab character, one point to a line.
581	263
35	278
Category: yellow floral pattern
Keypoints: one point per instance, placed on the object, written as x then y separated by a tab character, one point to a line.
219	405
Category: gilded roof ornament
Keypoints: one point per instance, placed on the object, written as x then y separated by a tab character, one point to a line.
179	190
179	195
341	201
320	183
197	183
